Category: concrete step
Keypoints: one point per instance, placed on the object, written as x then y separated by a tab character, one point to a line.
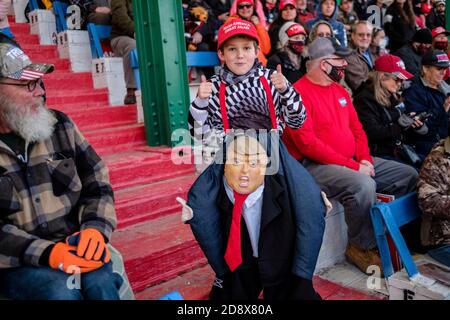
153	200
92	118
83	96
19	29
40	51
157	250
30	39
192	285
60	64
113	136
143	166
66	80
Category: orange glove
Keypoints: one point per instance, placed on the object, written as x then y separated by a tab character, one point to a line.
63	257
92	246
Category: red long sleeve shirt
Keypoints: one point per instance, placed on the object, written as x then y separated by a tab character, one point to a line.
332	133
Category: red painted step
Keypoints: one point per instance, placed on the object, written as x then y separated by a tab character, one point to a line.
143	166
192	285
97	118
151	201
19	28
30	39
66	80
115	135
85	96
60	64
158	250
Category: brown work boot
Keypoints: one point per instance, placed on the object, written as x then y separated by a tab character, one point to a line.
130	98
363	258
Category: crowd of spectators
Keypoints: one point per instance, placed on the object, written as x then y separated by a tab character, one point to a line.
395	72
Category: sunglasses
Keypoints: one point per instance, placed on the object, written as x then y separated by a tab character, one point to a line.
242	6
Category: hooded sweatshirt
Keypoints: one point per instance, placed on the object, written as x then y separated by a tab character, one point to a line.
338	27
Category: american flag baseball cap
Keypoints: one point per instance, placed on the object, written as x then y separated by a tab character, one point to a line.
15	64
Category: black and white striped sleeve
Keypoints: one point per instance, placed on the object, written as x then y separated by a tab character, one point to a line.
292	109
198	115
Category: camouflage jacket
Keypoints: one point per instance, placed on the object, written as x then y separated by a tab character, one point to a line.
433	189
62	188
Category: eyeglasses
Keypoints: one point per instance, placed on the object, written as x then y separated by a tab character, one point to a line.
31	85
361	35
242	6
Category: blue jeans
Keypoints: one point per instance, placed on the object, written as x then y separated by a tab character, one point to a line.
441	254
32	283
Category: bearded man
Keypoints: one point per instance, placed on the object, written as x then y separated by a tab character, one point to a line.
56	202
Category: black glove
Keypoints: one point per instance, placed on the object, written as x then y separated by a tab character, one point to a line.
302	289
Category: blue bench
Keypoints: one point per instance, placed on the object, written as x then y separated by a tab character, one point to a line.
202	59
174	295
60	9
97	33
33	5
134	61
389	217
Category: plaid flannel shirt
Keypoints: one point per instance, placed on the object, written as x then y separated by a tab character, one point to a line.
63	188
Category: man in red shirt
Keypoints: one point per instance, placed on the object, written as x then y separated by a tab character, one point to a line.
333	147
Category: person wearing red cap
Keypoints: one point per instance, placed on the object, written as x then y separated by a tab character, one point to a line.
245	10
303	14
440	40
287	13
382	112
244	95
243	77
292	40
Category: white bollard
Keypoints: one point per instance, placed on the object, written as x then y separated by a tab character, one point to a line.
140	109
108	73
74	45
43	23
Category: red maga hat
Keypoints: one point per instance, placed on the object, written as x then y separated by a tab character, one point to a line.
392	64
236	27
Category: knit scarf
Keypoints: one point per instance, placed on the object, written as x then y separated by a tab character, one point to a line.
227	76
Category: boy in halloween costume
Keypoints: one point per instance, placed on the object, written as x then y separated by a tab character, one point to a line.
245	96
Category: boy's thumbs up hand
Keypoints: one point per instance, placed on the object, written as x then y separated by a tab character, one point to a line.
205	89
278	80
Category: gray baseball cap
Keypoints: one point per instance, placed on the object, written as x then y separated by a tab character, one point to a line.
324	46
15	64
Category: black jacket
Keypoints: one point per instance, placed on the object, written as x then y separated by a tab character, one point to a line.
291	73
381	132
411	59
435	20
399	31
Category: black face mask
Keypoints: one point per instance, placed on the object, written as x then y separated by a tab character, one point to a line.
336	73
422	50
297	46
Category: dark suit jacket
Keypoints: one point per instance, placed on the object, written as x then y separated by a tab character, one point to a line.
277	233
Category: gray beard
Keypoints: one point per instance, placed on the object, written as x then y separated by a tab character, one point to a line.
32	126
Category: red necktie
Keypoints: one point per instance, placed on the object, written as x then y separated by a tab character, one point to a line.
233	255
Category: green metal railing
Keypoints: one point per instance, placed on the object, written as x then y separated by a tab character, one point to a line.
162	63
